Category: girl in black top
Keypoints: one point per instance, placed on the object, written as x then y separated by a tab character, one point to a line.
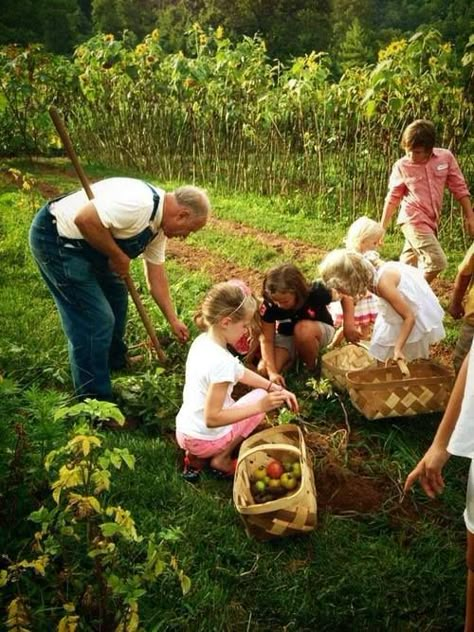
295	321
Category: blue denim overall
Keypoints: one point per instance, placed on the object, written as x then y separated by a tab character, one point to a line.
90	297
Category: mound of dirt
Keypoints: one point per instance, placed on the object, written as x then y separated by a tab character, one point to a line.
342	491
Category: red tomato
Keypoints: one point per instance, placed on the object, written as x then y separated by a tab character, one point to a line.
275	469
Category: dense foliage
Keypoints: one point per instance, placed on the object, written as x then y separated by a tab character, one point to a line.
350	30
224	113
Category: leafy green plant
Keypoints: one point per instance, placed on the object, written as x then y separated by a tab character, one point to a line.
89	565
153	398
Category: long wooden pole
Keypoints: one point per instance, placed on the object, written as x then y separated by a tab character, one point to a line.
63	134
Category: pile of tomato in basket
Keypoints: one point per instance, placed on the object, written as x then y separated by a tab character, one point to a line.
276	478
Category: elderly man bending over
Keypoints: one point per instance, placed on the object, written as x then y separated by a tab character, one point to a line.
83	250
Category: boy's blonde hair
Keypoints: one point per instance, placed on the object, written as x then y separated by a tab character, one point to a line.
347	272
362	229
225	299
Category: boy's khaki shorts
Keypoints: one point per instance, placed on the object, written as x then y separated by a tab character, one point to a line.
423	247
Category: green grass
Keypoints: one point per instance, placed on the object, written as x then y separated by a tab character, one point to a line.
379	571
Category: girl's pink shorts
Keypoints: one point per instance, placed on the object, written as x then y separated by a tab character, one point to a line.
206	448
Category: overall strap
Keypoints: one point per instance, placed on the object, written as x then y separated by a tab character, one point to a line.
156	201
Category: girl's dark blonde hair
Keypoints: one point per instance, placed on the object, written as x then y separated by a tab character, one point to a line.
286	278
347	272
225	299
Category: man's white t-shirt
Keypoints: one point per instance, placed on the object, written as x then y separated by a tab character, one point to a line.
207	363
124	206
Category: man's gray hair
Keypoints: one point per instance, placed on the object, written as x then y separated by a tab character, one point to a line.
195	199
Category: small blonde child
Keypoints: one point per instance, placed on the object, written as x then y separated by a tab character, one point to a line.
409	317
364	236
210	424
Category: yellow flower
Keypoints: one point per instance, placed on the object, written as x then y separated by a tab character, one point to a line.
109	37
155	34
219	32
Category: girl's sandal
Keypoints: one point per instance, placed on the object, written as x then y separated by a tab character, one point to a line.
191	473
221	475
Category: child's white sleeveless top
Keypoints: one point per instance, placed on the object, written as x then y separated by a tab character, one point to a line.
429	315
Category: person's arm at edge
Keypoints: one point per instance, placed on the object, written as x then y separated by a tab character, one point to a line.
429	468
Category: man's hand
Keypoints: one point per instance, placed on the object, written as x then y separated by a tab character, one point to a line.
179	330
120	264
456	310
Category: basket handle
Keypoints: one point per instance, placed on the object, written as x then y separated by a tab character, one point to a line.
269	446
402	365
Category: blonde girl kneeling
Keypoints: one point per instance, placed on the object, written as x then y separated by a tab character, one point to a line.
210	424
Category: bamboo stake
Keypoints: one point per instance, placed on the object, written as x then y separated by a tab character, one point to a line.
63	134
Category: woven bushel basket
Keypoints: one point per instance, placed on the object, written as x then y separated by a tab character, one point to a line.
292	514
336	363
385	392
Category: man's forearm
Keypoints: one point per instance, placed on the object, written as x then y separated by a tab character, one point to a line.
159	289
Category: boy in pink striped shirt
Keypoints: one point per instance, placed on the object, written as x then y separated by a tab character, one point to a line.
417	184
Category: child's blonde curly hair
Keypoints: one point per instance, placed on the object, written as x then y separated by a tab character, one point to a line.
347	272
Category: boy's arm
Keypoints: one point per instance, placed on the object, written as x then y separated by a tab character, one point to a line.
456	183
465	203
396	191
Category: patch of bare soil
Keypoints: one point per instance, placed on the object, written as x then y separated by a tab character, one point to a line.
299	248
195	258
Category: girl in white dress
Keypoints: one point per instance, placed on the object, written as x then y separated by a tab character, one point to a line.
409	317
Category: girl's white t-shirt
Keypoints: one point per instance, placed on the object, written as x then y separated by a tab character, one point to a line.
207	363
462	439
124	206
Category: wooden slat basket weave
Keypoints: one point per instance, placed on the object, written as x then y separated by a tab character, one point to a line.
336	363
292	514
384	391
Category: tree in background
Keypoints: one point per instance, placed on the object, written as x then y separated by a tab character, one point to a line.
354	49
59	24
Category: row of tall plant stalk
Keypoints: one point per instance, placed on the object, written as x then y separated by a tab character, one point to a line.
224	114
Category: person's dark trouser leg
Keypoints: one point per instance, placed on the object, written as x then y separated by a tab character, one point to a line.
86	315
116	293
